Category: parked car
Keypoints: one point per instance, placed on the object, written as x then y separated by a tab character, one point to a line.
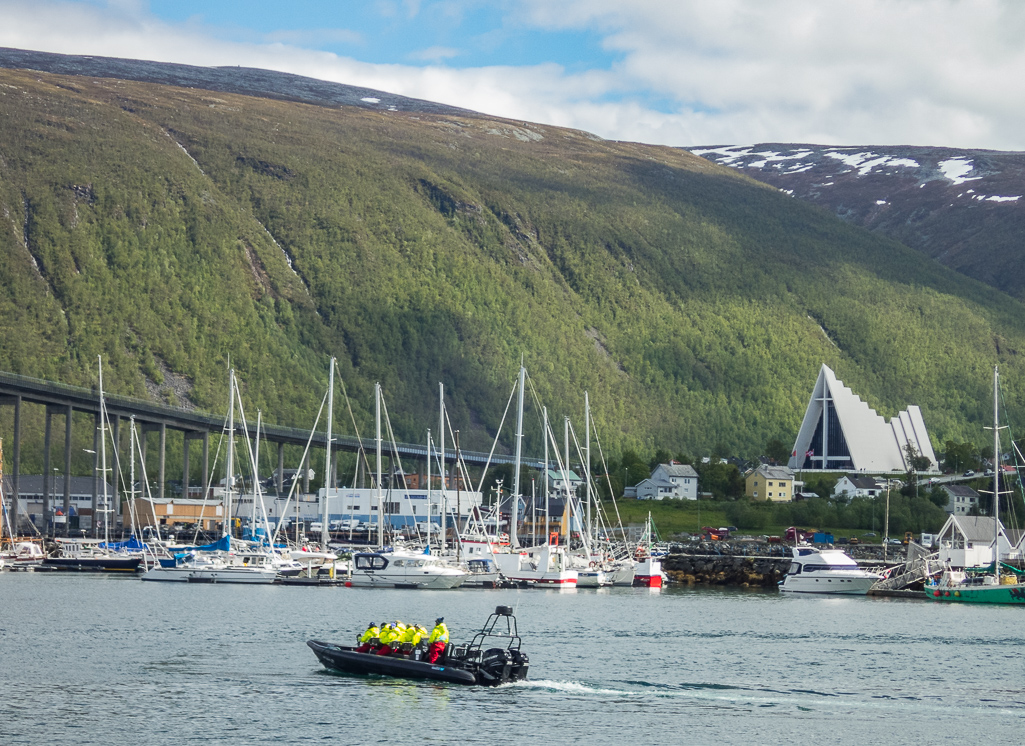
842	540
868	534
970	473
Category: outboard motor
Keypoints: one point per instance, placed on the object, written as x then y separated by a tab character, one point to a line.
520	664
495	667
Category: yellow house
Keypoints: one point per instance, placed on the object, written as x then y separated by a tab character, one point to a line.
774	483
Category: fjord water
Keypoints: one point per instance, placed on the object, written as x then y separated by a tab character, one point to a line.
100	660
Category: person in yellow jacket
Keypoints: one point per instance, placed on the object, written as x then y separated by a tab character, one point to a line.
373	631
394	638
385	639
410	637
437	641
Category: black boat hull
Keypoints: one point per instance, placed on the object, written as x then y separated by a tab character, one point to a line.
91	564
347	660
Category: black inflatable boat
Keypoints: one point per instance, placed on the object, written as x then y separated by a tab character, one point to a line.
493	657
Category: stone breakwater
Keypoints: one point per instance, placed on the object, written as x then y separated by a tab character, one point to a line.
743	572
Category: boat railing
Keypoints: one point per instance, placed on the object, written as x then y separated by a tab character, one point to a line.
918	569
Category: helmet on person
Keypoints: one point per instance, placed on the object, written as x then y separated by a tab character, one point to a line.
439	620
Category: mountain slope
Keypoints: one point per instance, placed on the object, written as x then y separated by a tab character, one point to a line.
964	208
168	228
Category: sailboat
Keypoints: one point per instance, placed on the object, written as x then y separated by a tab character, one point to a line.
215	563
983	585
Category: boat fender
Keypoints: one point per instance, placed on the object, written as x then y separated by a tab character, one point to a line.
593	565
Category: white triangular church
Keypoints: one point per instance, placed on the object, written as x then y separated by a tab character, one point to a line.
841	432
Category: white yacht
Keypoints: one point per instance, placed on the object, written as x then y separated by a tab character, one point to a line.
543	565
404	569
815	570
201	567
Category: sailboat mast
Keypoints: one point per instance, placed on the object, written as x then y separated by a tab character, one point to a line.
430	502
996	474
327	457
514	541
587	459
547	489
229	476
444	497
380	494
103	455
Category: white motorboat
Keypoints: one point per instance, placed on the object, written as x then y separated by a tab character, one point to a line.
404	569
814	570
543	565
483	573
27	555
200	567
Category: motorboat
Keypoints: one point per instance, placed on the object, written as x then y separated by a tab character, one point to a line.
483	573
814	570
545	565
401	568
647	572
214	563
26	555
493	657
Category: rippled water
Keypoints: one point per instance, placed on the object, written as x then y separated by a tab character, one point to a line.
92	659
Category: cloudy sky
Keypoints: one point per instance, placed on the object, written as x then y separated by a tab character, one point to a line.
678	72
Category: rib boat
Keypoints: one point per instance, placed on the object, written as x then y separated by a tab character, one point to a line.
493	657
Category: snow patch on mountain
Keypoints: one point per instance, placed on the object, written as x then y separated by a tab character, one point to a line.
868	160
957	169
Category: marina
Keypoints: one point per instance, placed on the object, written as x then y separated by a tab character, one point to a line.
171	664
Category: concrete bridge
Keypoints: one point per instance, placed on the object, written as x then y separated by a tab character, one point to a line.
63	401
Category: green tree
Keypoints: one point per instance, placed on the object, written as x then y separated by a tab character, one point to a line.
777	450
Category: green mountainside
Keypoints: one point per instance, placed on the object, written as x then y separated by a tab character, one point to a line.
169	228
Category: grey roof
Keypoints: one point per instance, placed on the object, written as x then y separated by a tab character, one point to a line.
975	527
678	470
960	490
775	472
863	483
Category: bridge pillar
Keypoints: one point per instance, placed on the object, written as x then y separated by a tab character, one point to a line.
161	463
46	468
96	474
67	470
206	461
281	468
15	401
306	474
185	465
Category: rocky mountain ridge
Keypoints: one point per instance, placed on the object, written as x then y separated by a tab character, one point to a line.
964	208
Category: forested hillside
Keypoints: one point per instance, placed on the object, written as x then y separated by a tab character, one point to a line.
170	228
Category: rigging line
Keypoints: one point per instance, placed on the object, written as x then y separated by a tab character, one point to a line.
605	466
461	469
295	482
494	443
355	428
395	453
208	489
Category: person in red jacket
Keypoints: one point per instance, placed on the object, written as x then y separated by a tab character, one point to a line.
438	640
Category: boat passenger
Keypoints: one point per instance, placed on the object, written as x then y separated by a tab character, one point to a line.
438	640
372	633
395	633
384	639
410	639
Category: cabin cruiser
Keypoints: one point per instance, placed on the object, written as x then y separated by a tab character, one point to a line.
483	573
493	657
401	568
543	565
26	555
814	570
215	563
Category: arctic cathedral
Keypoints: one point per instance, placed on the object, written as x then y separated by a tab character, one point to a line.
841	432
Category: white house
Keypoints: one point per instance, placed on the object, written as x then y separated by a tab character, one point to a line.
675	481
967	541
852	485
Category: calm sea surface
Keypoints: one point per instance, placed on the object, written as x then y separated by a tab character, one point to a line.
111	660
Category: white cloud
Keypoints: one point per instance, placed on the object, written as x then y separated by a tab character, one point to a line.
921	72
434	54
